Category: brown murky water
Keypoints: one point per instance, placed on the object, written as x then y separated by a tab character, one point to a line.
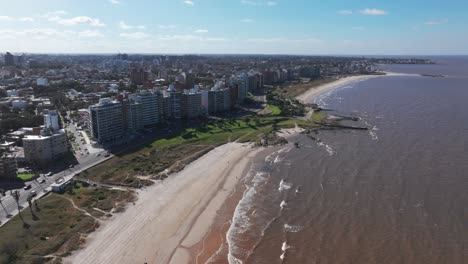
394	194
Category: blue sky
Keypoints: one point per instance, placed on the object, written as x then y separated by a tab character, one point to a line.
341	27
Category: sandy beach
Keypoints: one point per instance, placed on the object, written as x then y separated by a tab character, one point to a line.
316	91
172	216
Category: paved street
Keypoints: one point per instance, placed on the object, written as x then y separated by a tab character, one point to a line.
90	157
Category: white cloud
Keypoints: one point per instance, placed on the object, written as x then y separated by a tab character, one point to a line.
42	33
125	26
26	19
89	34
6	18
201	31
247	20
20	19
283	40
79	20
135	35
115	2
436	22
166	26
189	2
373	12
258	3
184	38
345	12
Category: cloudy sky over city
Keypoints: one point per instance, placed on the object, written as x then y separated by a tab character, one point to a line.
235	26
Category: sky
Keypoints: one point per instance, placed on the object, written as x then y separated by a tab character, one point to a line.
301	27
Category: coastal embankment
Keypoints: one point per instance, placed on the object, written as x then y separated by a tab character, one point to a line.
171	216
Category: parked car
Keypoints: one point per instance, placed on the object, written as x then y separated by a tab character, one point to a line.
33	193
49	174
41	180
27	187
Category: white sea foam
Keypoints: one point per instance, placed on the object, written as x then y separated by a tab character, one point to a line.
284	247
283	204
241	219
284	186
293	228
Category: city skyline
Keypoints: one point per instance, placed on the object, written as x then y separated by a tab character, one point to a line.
235	27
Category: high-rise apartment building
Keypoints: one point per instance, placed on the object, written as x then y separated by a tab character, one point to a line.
51	120
106	121
149	107
8	167
191	102
9	59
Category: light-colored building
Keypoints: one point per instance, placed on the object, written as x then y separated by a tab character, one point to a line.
19	104
173	101
39	150
149	107
132	116
7	168
42	82
51	120
106	121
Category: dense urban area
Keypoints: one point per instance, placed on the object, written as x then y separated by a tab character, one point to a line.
95	122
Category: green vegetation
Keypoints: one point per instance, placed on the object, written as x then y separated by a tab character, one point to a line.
55	227
25	176
318	117
98	200
175	152
275	110
300	88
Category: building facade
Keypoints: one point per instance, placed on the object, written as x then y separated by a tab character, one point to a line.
106	121
47	147
8	168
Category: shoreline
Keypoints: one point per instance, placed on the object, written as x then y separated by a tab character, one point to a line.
172	216
312	92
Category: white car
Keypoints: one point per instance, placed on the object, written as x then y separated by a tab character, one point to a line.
49	174
41	180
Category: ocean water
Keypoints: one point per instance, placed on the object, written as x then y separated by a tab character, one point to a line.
397	193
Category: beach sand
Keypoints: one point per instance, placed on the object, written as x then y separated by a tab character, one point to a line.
171	217
316	91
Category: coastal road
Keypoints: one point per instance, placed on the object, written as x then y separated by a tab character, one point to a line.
8	206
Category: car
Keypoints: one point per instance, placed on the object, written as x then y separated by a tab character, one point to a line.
71	166
60	180
107	155
99	154
27	187
33	193
49	174
41	180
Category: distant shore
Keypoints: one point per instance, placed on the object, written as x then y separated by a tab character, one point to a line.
315	91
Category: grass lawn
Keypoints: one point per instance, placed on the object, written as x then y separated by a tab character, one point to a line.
25	176
175	152
275	110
